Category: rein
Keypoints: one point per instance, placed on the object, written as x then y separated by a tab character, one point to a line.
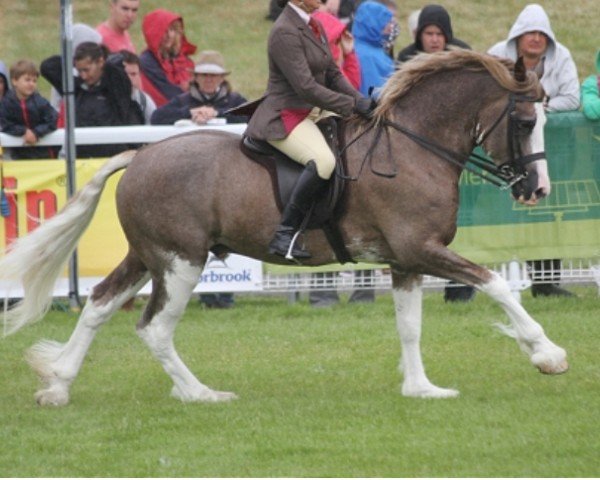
503	176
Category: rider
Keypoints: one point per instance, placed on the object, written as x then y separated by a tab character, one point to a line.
304	85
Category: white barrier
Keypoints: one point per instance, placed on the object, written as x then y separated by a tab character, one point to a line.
132	134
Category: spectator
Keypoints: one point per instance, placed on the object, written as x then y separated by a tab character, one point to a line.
131	64
210	96
102	95
25	113
341	44
81	33
4	83
590	94
532	38
166	64
372	25
433	34
114	30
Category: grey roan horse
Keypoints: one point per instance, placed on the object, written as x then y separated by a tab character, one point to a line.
181	197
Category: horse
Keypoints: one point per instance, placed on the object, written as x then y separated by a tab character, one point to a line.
197	192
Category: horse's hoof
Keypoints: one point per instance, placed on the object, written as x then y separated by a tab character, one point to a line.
428	391
551	364
51	398
551	368
205	395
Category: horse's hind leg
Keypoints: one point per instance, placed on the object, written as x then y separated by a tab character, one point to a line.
171	291
408	298
58	364
543	353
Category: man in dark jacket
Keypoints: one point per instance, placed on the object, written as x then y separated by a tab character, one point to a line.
102	95
434	34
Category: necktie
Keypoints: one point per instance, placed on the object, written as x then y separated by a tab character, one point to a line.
314	26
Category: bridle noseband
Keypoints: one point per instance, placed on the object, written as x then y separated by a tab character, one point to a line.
513	170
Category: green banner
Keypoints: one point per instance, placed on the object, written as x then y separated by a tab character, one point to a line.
494	228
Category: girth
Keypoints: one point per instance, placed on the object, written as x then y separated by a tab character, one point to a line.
284	173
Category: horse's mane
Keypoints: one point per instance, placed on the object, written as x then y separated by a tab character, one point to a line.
427	65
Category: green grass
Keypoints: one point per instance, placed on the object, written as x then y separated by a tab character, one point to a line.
319	397
238	28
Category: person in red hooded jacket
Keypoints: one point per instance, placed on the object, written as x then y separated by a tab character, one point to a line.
341	44
166	65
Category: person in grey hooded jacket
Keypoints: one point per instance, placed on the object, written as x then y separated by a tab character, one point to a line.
532	38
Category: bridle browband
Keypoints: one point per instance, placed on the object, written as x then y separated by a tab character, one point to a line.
503	176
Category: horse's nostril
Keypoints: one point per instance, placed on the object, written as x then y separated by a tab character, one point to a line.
540	193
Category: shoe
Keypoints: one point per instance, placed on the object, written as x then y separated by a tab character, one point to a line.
280	244
549	290
459	293
306	190
362	296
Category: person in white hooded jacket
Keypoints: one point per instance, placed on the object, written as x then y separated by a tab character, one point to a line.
532	38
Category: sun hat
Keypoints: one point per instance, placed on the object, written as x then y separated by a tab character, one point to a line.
211	62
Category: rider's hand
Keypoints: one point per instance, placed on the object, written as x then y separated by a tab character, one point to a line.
365	106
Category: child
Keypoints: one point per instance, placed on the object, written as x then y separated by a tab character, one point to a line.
25	113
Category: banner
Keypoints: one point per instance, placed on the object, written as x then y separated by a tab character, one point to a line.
35	191
494	228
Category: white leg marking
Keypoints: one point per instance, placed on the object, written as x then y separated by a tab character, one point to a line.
545	355
58	364
408	304
158	335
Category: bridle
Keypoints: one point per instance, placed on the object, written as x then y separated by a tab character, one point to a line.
506	175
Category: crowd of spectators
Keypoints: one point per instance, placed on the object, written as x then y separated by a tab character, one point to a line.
163	85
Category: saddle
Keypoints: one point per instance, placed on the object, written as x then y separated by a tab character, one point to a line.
284	173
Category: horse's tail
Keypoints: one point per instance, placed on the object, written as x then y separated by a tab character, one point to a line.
37	259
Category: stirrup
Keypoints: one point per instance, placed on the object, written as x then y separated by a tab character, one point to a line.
284	244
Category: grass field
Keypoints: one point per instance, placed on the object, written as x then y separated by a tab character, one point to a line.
238	28
319	396
319	389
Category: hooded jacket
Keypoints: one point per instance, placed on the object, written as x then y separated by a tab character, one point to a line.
590	93
432	15
164	78
376	65
560	80
334	29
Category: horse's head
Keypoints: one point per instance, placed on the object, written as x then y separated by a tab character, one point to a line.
516	139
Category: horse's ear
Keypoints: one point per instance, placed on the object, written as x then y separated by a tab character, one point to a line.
520	70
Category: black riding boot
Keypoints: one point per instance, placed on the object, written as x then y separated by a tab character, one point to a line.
308	186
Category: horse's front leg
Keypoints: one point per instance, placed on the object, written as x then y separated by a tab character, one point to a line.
408	299
544	354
